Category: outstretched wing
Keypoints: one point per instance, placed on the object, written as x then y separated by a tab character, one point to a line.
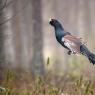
73	43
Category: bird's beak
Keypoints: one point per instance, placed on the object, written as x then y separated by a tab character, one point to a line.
50	20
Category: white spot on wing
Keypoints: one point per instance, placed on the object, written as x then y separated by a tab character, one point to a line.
63	39
69	44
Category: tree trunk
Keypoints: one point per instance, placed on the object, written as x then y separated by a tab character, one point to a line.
37	38
1	41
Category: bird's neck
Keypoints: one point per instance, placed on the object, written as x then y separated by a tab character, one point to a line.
58	27
59	31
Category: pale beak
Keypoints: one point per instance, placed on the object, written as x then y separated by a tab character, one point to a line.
50	19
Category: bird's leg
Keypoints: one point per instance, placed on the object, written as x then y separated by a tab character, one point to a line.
69	52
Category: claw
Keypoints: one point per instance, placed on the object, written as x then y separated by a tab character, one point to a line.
69	52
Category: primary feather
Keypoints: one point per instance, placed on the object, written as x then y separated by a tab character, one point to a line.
73	44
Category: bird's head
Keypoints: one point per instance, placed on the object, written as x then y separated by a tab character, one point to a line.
55	23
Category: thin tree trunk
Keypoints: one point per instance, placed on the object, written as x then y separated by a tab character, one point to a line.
1	42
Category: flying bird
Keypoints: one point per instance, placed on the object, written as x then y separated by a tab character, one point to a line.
73	44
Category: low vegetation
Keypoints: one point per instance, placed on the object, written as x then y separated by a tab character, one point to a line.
24	83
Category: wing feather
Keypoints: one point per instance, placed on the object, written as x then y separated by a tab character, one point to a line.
72	42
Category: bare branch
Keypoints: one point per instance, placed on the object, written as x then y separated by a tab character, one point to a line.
16	14
4	5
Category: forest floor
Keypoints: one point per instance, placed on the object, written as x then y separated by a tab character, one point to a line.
23	83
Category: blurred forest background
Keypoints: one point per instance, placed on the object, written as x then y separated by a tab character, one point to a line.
27	41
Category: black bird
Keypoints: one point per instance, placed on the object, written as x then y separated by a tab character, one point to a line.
73	44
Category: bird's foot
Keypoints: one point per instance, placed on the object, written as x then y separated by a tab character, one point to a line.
69	52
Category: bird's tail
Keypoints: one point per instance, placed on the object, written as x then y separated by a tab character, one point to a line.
84	50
